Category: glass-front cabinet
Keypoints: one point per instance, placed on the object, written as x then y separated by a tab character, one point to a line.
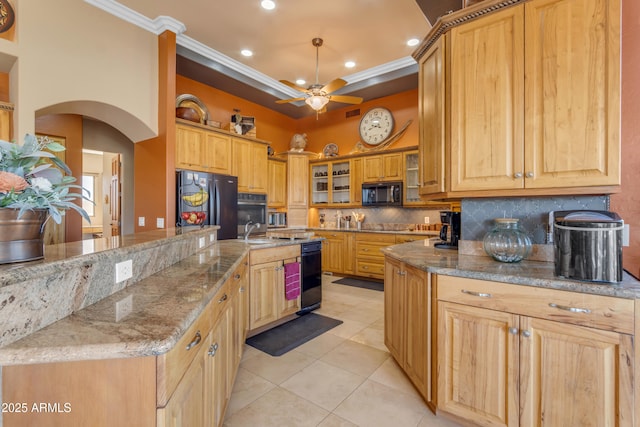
411	179
320	173
331	183
340	182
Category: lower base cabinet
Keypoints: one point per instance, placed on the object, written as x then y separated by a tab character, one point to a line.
188	386
407	323
501	362
267	302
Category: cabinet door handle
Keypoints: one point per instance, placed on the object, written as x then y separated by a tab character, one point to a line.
223	299
571	309
213	349
526	334
513	331
195	341
476	294
402	273
517	175
529	175
237	276
242	289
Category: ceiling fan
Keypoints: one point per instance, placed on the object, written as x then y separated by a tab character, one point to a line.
317	96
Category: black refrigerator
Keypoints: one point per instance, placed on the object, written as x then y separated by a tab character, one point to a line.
207	199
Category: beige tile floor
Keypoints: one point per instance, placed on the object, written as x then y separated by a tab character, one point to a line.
345	377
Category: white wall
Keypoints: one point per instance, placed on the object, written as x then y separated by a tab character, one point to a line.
75	58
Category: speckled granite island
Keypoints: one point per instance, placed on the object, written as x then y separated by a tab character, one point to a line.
491	343
128	353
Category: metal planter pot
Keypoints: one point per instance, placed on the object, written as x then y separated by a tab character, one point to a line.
21	239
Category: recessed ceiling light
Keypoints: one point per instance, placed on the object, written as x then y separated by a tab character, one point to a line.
246	52
413	42
301	82
349	64
268	4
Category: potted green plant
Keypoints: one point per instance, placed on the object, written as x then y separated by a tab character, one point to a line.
34	185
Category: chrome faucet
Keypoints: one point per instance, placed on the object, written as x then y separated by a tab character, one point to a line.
249	227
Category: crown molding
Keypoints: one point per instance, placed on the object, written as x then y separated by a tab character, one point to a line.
155	26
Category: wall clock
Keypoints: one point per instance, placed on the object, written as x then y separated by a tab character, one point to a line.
376	126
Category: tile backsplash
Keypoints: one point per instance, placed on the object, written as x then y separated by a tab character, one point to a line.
533	213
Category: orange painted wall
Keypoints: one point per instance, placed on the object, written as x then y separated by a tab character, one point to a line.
332	126
335	127
68	126
270	125
627	203
154	159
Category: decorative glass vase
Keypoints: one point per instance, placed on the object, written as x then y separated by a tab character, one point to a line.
507	242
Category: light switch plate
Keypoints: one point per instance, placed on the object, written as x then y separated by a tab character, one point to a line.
159	222
201	242
140	221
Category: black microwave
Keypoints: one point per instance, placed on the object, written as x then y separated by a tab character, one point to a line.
382	194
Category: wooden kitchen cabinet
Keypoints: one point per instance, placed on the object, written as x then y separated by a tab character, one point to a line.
331	183
333	250
277	183
369	258
250	165
198	149
267	302
511	355
408	324
500	122
384	167
187	386
431	111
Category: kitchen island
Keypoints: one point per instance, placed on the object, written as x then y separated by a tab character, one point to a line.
489	343
140	353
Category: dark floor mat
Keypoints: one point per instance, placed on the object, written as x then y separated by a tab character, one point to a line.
286	337
360	283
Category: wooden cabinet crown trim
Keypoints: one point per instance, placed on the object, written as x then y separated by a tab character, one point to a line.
459	17
363	154
184	122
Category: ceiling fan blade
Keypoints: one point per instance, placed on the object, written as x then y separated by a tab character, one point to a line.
346	99
294	86
284	101
333	85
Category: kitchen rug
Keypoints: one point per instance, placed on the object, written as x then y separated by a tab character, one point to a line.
360	283
286	337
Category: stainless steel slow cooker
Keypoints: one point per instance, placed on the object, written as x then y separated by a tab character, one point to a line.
588	245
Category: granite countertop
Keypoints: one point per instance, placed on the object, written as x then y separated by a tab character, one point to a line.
164	305
428	233
422	254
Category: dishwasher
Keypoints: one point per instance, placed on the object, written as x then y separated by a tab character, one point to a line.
311	276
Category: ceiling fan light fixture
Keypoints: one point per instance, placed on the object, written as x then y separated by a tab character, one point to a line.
268	4
317	102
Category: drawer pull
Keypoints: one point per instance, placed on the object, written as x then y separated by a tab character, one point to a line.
223	299
402	273
571	309
476	294
196	340
242	289
213	349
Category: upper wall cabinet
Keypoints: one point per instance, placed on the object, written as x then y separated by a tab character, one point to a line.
531	102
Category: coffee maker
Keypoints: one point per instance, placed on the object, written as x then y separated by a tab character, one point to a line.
450	231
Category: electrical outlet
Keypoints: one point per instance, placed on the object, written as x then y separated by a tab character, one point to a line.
124	270
140	221
159	222
201	242
212	237
426	220
124	307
